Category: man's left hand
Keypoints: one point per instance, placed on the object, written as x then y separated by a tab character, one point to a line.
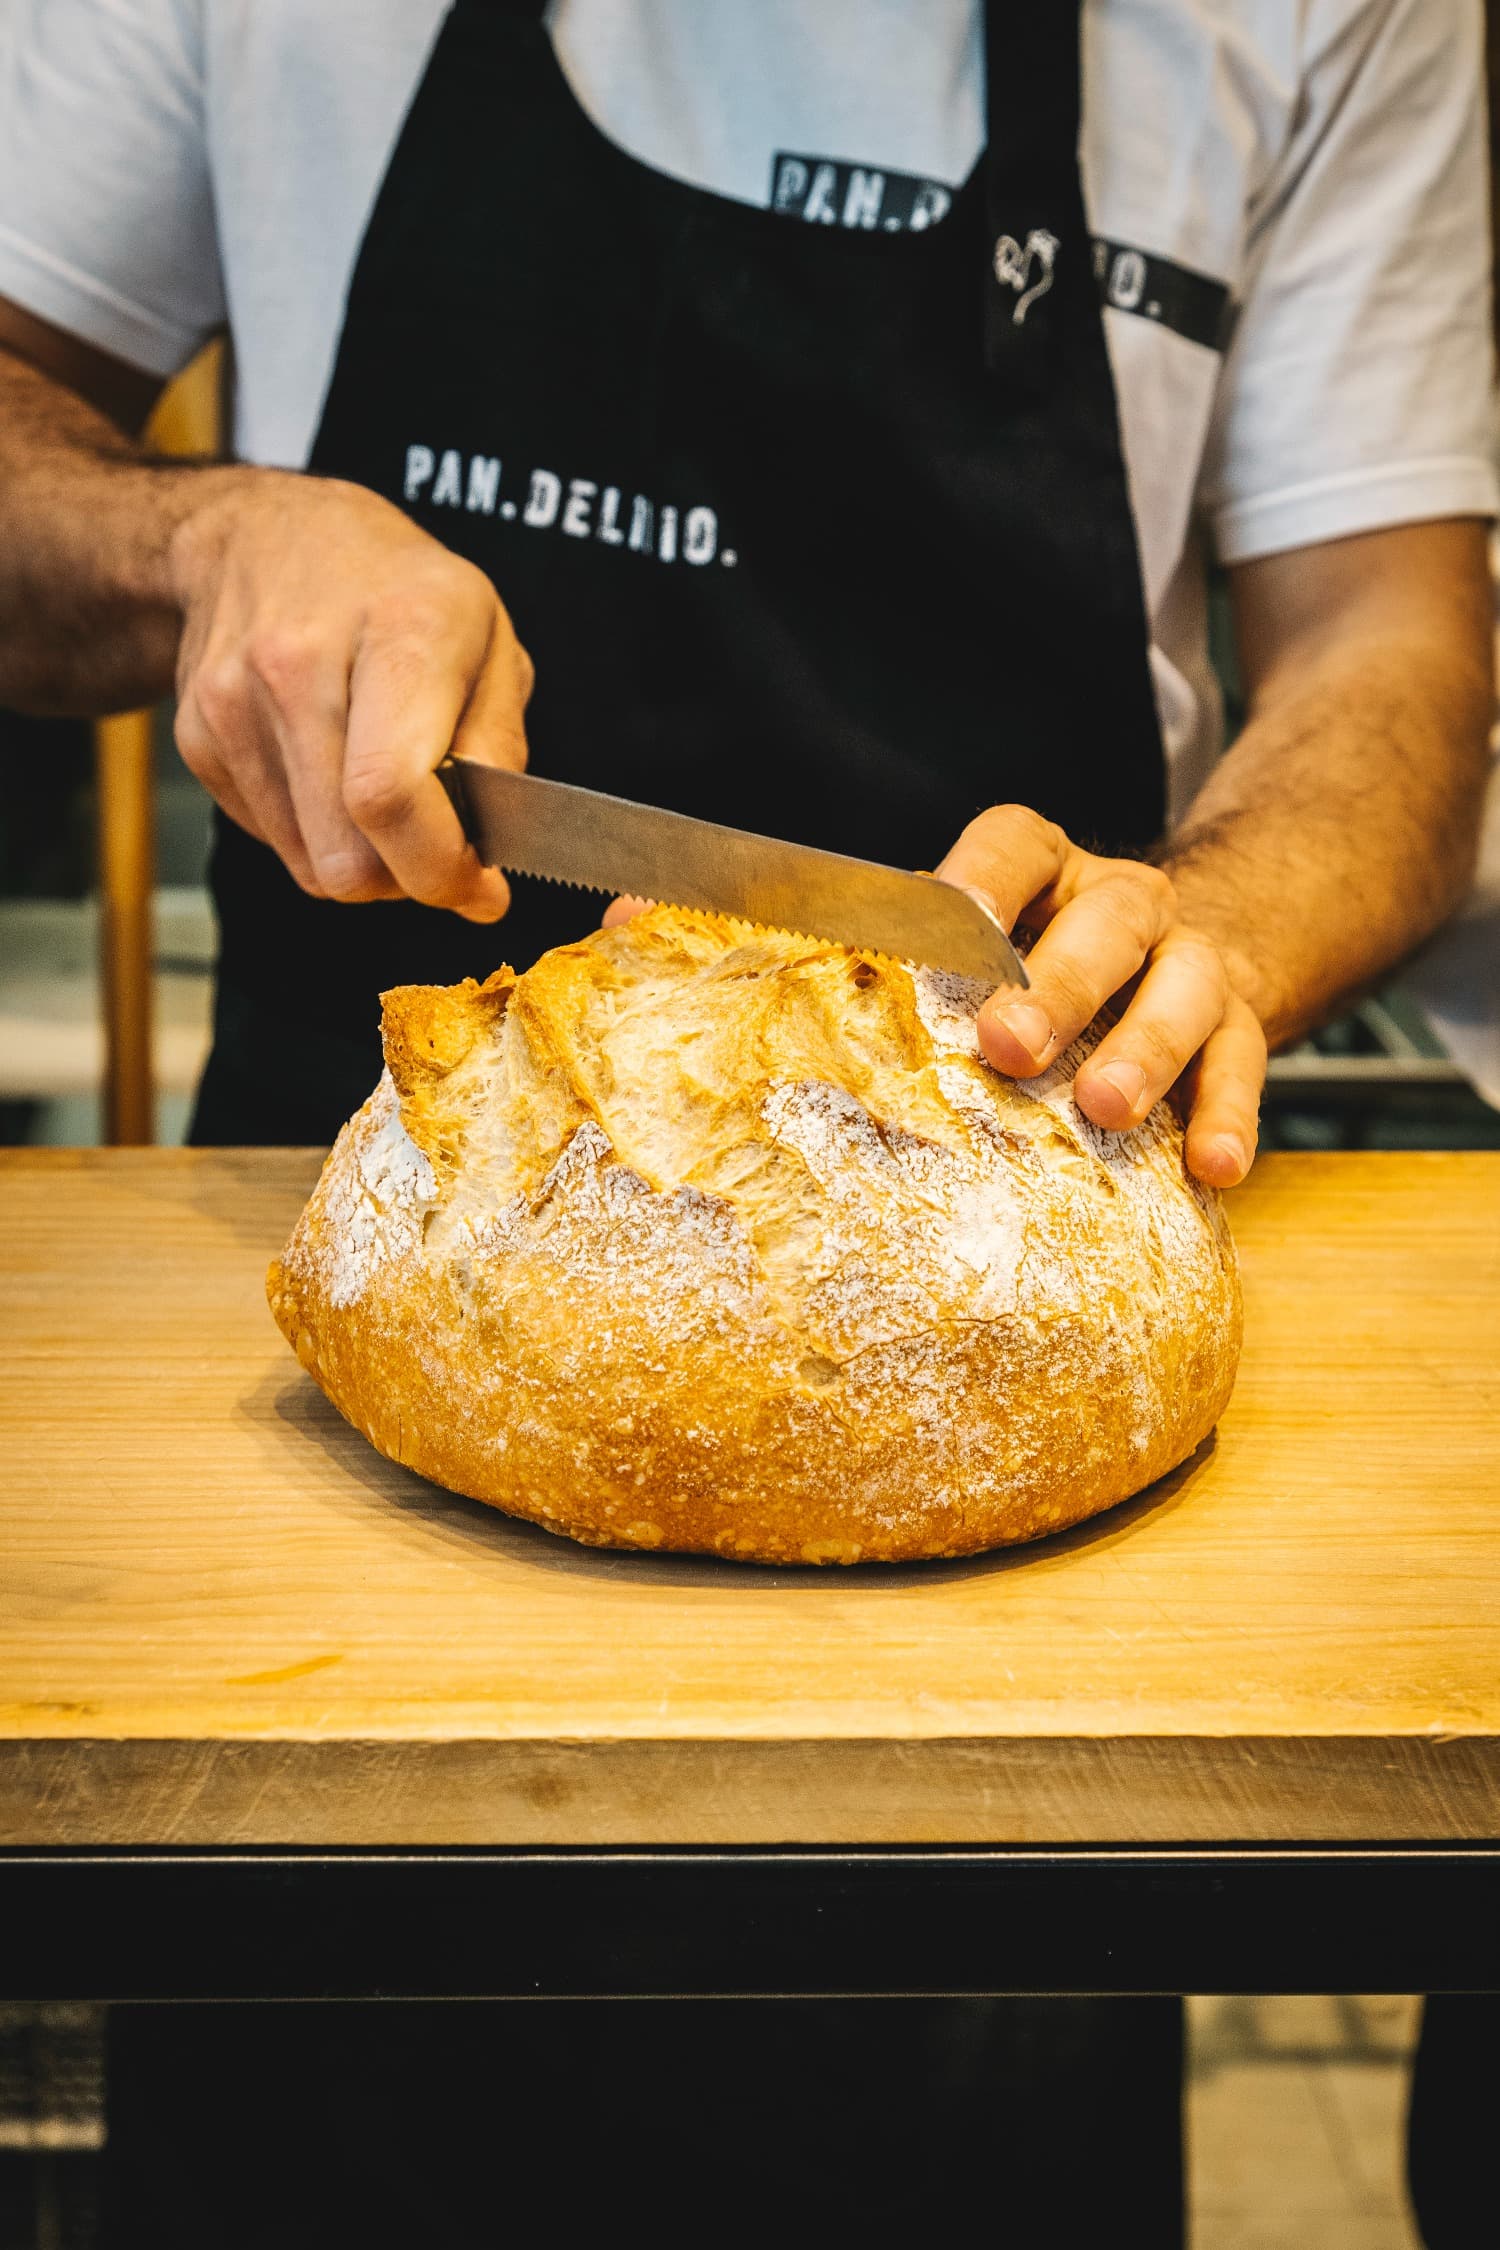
1106	928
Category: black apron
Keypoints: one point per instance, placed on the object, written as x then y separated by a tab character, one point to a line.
811	529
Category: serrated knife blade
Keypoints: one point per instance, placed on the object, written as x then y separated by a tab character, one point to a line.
530	825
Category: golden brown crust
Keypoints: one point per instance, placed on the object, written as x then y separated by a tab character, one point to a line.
707	1238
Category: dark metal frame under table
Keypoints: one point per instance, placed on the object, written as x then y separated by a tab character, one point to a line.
205	1923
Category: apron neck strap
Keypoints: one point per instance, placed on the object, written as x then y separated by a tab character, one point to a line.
1033	187
1033	85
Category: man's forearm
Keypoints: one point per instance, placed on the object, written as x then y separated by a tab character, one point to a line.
89	621
1341	828
327	654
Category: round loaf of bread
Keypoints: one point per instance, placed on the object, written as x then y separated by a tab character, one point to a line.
701	1237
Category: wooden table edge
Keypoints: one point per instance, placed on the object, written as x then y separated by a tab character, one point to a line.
1126	1791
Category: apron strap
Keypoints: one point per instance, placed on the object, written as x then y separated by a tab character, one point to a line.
1033	188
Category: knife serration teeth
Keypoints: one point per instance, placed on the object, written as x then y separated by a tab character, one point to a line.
808	937
717	914
780	930
562	882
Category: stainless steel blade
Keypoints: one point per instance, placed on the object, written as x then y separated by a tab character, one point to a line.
532	826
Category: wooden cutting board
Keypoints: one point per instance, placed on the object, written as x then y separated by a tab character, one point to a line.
223	1618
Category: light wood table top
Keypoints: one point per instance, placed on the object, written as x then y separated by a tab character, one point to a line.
225	1619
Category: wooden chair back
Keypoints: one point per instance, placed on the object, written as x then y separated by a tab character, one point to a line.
187	421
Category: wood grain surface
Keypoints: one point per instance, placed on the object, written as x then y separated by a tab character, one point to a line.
223	1618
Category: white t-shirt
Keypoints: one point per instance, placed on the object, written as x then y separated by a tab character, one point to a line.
170	167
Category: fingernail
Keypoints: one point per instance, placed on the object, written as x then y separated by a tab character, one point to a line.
1028	1023
347	870
1233	1151
1128	1080
982	899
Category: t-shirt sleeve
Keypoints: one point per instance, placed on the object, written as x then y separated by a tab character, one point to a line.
106	210
1357	389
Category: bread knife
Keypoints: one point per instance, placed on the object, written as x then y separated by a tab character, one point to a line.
530	825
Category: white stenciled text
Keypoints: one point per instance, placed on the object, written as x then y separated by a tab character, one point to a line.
575	507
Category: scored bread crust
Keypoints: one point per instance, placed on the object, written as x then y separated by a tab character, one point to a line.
703	1237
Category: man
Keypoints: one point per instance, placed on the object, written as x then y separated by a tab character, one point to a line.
829	432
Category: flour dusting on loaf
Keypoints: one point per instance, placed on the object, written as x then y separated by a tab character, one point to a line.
702	1237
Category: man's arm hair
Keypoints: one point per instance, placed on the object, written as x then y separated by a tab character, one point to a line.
88	622
1342	827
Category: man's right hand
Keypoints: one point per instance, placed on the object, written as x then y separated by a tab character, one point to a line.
332	655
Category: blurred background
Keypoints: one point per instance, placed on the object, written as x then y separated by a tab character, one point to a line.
1295	2117
106	933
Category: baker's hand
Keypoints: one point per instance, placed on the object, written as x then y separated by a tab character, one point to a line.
331	656
1107	927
